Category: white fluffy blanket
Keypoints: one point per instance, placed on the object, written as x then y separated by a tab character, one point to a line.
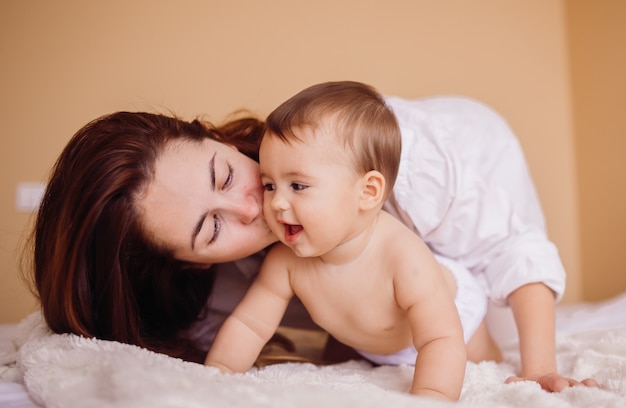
70	371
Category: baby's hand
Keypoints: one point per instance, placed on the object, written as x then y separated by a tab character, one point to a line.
555	382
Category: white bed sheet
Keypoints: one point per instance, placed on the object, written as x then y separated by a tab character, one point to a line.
12	395
576	318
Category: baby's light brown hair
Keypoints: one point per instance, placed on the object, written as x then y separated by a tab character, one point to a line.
358	114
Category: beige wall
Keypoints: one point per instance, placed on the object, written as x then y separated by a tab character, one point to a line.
598	60
66	62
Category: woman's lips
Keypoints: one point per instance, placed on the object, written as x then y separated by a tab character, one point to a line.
292	232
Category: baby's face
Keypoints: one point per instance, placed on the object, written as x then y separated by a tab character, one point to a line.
311	197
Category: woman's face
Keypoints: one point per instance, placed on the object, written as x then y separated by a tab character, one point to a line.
205	202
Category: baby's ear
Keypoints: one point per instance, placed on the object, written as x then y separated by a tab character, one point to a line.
372	189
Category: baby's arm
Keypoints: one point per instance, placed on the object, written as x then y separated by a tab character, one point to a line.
253	322
436	328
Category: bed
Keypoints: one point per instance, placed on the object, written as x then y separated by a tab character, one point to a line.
39	368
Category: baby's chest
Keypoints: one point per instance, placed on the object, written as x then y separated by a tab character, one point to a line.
364	304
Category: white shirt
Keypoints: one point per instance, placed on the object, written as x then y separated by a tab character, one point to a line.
464	184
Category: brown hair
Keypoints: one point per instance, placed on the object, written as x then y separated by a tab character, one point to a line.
96	272
361	118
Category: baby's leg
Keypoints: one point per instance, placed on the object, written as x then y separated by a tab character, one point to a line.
481	346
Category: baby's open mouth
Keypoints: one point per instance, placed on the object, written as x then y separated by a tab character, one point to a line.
291	232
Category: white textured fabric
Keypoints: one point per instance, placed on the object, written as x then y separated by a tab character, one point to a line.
464	183
72	371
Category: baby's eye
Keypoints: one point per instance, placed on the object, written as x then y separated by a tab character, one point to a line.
298	186
269	187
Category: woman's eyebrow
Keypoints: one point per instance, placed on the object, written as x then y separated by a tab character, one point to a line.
212	171
200	222
196	230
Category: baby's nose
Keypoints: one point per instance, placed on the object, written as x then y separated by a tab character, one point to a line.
278	202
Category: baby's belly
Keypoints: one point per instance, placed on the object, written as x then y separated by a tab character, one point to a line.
374	335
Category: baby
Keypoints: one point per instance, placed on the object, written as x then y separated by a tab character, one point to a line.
329	158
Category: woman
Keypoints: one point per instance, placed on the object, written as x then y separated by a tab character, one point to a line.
143	214
97	271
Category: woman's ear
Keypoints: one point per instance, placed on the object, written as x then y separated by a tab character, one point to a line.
372	190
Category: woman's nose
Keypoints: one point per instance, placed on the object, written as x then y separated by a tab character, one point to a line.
247	209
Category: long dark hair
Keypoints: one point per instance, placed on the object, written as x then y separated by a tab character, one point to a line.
95	270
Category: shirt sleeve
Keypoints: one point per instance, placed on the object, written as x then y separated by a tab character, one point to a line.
464	183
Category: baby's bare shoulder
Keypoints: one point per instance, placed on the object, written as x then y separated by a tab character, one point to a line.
397	241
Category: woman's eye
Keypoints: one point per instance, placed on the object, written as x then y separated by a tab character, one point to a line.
269	187
216	229
298	186
229	177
